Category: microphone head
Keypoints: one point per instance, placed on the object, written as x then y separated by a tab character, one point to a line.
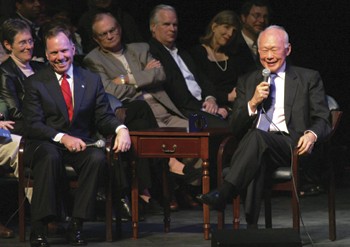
266	73
100	144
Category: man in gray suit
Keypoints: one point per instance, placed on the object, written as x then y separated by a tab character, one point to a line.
130	73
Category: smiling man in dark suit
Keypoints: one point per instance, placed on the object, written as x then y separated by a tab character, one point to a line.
60	123
293	105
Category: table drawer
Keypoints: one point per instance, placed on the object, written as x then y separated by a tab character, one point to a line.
159	147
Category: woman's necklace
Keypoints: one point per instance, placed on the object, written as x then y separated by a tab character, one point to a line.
223	69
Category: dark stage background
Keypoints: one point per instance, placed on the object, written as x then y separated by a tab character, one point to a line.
318	30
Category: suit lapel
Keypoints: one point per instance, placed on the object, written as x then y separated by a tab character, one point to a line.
79	90
291	87
54	90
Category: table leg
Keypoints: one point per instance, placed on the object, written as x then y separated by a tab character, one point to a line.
134	201
206	189
166	197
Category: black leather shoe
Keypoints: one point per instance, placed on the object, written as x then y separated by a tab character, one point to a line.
213	199
75	236
38	240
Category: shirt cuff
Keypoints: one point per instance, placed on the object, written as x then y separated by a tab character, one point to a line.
310	131
251	113
58	137
210	97
122	126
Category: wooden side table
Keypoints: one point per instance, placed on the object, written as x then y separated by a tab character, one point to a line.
166	143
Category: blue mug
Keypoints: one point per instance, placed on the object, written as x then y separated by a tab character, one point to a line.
196	123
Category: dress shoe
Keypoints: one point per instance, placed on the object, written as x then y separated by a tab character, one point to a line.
125	214
6	232
151	207
213	199
38	240
75	235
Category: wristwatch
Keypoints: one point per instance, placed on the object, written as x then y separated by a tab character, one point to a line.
122	79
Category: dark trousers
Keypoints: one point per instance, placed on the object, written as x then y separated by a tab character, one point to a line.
258	154
50	181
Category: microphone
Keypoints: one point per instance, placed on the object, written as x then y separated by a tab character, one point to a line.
266	73
97	144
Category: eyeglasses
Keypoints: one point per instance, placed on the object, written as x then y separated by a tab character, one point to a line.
258	16
23	43
112	31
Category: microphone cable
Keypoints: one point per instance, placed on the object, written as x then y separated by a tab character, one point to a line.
291	172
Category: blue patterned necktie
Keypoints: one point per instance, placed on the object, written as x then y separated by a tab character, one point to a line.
268	106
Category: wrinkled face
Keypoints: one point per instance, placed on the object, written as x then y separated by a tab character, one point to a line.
30	9
22	47
273	49
222	34
107	33
60	52
165	30
256	21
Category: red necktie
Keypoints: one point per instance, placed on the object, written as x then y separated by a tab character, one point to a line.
67	94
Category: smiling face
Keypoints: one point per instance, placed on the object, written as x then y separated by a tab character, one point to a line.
222	34
273	49
22	46
165	29
60	52
256	21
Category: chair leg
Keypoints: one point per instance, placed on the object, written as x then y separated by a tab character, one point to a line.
268	215
331	207
166	198
21	212
296	211
236	212
221	220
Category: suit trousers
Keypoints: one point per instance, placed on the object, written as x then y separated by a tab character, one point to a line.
50	181
258	154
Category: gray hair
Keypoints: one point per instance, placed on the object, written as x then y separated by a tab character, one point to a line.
153	19
285	34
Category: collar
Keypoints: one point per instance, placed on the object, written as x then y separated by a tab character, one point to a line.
69	73
20	64
248	40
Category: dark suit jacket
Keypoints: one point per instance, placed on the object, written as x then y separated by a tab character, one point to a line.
175	84
12	90
45	112
239	49
305	104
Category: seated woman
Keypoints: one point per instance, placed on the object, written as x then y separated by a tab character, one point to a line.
212	60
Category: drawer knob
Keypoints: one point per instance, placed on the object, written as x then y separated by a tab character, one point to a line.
169	151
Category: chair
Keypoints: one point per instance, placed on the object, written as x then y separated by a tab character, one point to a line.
284	179
26	181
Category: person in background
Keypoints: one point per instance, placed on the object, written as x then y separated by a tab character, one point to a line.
130	73
64	106
288	110
186	86
255	17
130	29
212	60
29	11
8	157
17	39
